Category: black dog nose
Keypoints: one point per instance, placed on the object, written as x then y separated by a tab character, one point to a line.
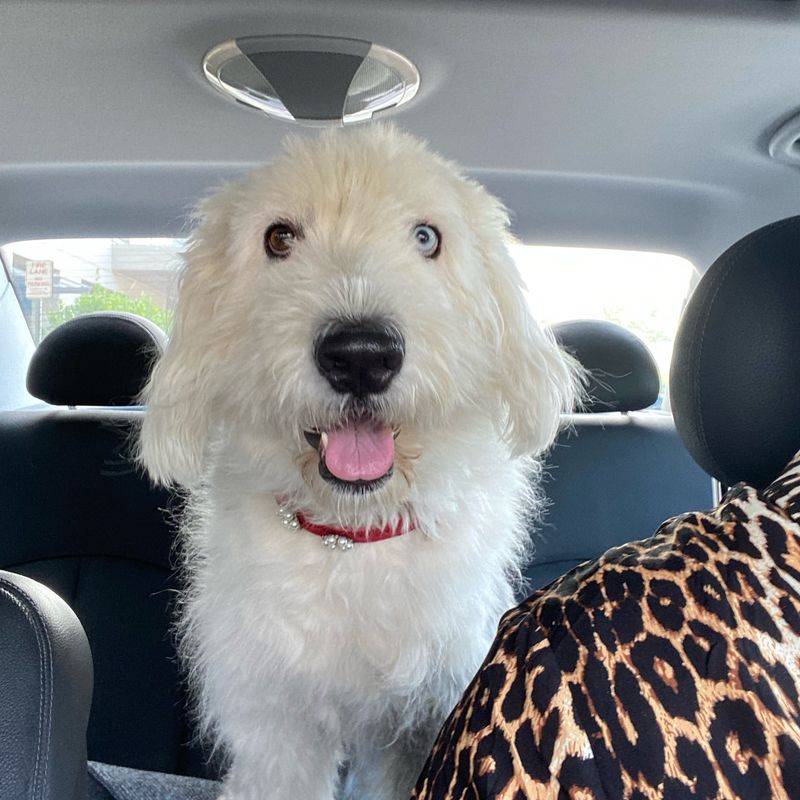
360	358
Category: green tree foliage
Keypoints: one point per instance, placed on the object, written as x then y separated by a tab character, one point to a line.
651	328
102	299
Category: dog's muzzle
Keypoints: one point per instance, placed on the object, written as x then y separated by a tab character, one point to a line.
361	357
358	358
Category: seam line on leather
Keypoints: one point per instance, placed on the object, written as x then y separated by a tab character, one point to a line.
11	590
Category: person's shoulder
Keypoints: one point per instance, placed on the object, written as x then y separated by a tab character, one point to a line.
611	600
622	571
784	491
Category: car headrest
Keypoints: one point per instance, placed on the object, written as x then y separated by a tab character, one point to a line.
99	359
623	375
735	376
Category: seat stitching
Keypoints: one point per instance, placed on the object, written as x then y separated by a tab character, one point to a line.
10	589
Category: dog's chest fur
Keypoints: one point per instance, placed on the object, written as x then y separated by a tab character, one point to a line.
371	628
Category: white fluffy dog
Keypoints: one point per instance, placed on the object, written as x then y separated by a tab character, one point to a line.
350	394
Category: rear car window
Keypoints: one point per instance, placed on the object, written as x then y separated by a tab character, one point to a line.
58	279
644	292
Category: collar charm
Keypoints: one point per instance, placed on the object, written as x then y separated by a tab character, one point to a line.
334	542
288	518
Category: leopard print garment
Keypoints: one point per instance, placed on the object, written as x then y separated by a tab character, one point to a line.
668	668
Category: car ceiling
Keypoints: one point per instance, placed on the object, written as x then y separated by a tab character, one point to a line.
635	125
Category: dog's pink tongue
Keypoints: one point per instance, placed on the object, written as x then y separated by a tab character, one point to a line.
362	451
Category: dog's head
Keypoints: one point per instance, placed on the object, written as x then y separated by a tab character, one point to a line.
340	311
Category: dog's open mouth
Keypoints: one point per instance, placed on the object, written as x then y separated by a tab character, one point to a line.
357	456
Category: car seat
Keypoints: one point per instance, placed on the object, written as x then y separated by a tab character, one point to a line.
77	516
616	469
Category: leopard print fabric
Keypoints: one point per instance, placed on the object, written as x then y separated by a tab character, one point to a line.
668	668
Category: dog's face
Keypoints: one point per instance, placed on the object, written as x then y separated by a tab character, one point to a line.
339	312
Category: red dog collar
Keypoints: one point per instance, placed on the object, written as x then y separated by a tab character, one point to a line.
337	538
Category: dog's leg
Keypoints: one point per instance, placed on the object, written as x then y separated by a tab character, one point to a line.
389	773
287	758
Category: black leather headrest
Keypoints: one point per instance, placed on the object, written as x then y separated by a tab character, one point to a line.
623	375
735	377
100	359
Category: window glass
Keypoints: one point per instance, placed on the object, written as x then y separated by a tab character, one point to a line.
58	279
644	292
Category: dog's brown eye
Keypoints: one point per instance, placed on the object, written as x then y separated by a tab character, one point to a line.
428	240
279	239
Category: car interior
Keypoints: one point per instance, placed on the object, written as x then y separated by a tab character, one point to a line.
622	131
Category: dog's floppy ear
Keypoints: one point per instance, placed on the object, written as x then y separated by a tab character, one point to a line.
534	379
181	391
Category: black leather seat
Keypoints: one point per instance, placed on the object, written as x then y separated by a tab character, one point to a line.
76	516
45	694
616	470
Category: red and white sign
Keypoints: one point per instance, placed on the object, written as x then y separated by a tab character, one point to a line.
38	280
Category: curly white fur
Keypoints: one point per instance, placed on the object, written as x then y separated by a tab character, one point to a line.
304	658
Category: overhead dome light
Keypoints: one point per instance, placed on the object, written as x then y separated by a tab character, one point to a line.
315	80
784	146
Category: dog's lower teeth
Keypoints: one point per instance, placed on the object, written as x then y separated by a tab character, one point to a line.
313	438
323	441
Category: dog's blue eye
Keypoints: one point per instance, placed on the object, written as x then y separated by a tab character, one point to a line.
428	240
